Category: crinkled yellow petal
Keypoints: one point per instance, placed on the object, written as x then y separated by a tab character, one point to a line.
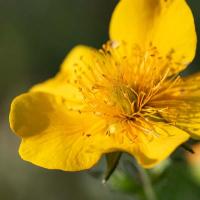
56	137
167	24
184	105
53	136
160	143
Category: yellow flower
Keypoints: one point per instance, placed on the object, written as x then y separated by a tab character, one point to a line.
126	97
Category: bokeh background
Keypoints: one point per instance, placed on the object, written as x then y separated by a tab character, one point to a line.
35	36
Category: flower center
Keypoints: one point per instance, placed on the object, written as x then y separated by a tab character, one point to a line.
123	83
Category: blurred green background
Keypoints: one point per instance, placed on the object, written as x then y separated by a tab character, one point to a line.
35	36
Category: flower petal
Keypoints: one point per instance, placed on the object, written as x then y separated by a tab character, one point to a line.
184	105
81	56
158	147
157	22
55	137
59	86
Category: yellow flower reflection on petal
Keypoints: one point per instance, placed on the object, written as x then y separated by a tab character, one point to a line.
126	97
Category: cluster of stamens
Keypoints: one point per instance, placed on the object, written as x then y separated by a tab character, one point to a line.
129	87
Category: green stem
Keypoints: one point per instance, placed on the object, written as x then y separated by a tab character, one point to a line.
147	185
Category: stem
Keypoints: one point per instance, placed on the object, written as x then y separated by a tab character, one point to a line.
147	185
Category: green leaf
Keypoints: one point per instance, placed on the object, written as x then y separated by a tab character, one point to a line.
112	160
